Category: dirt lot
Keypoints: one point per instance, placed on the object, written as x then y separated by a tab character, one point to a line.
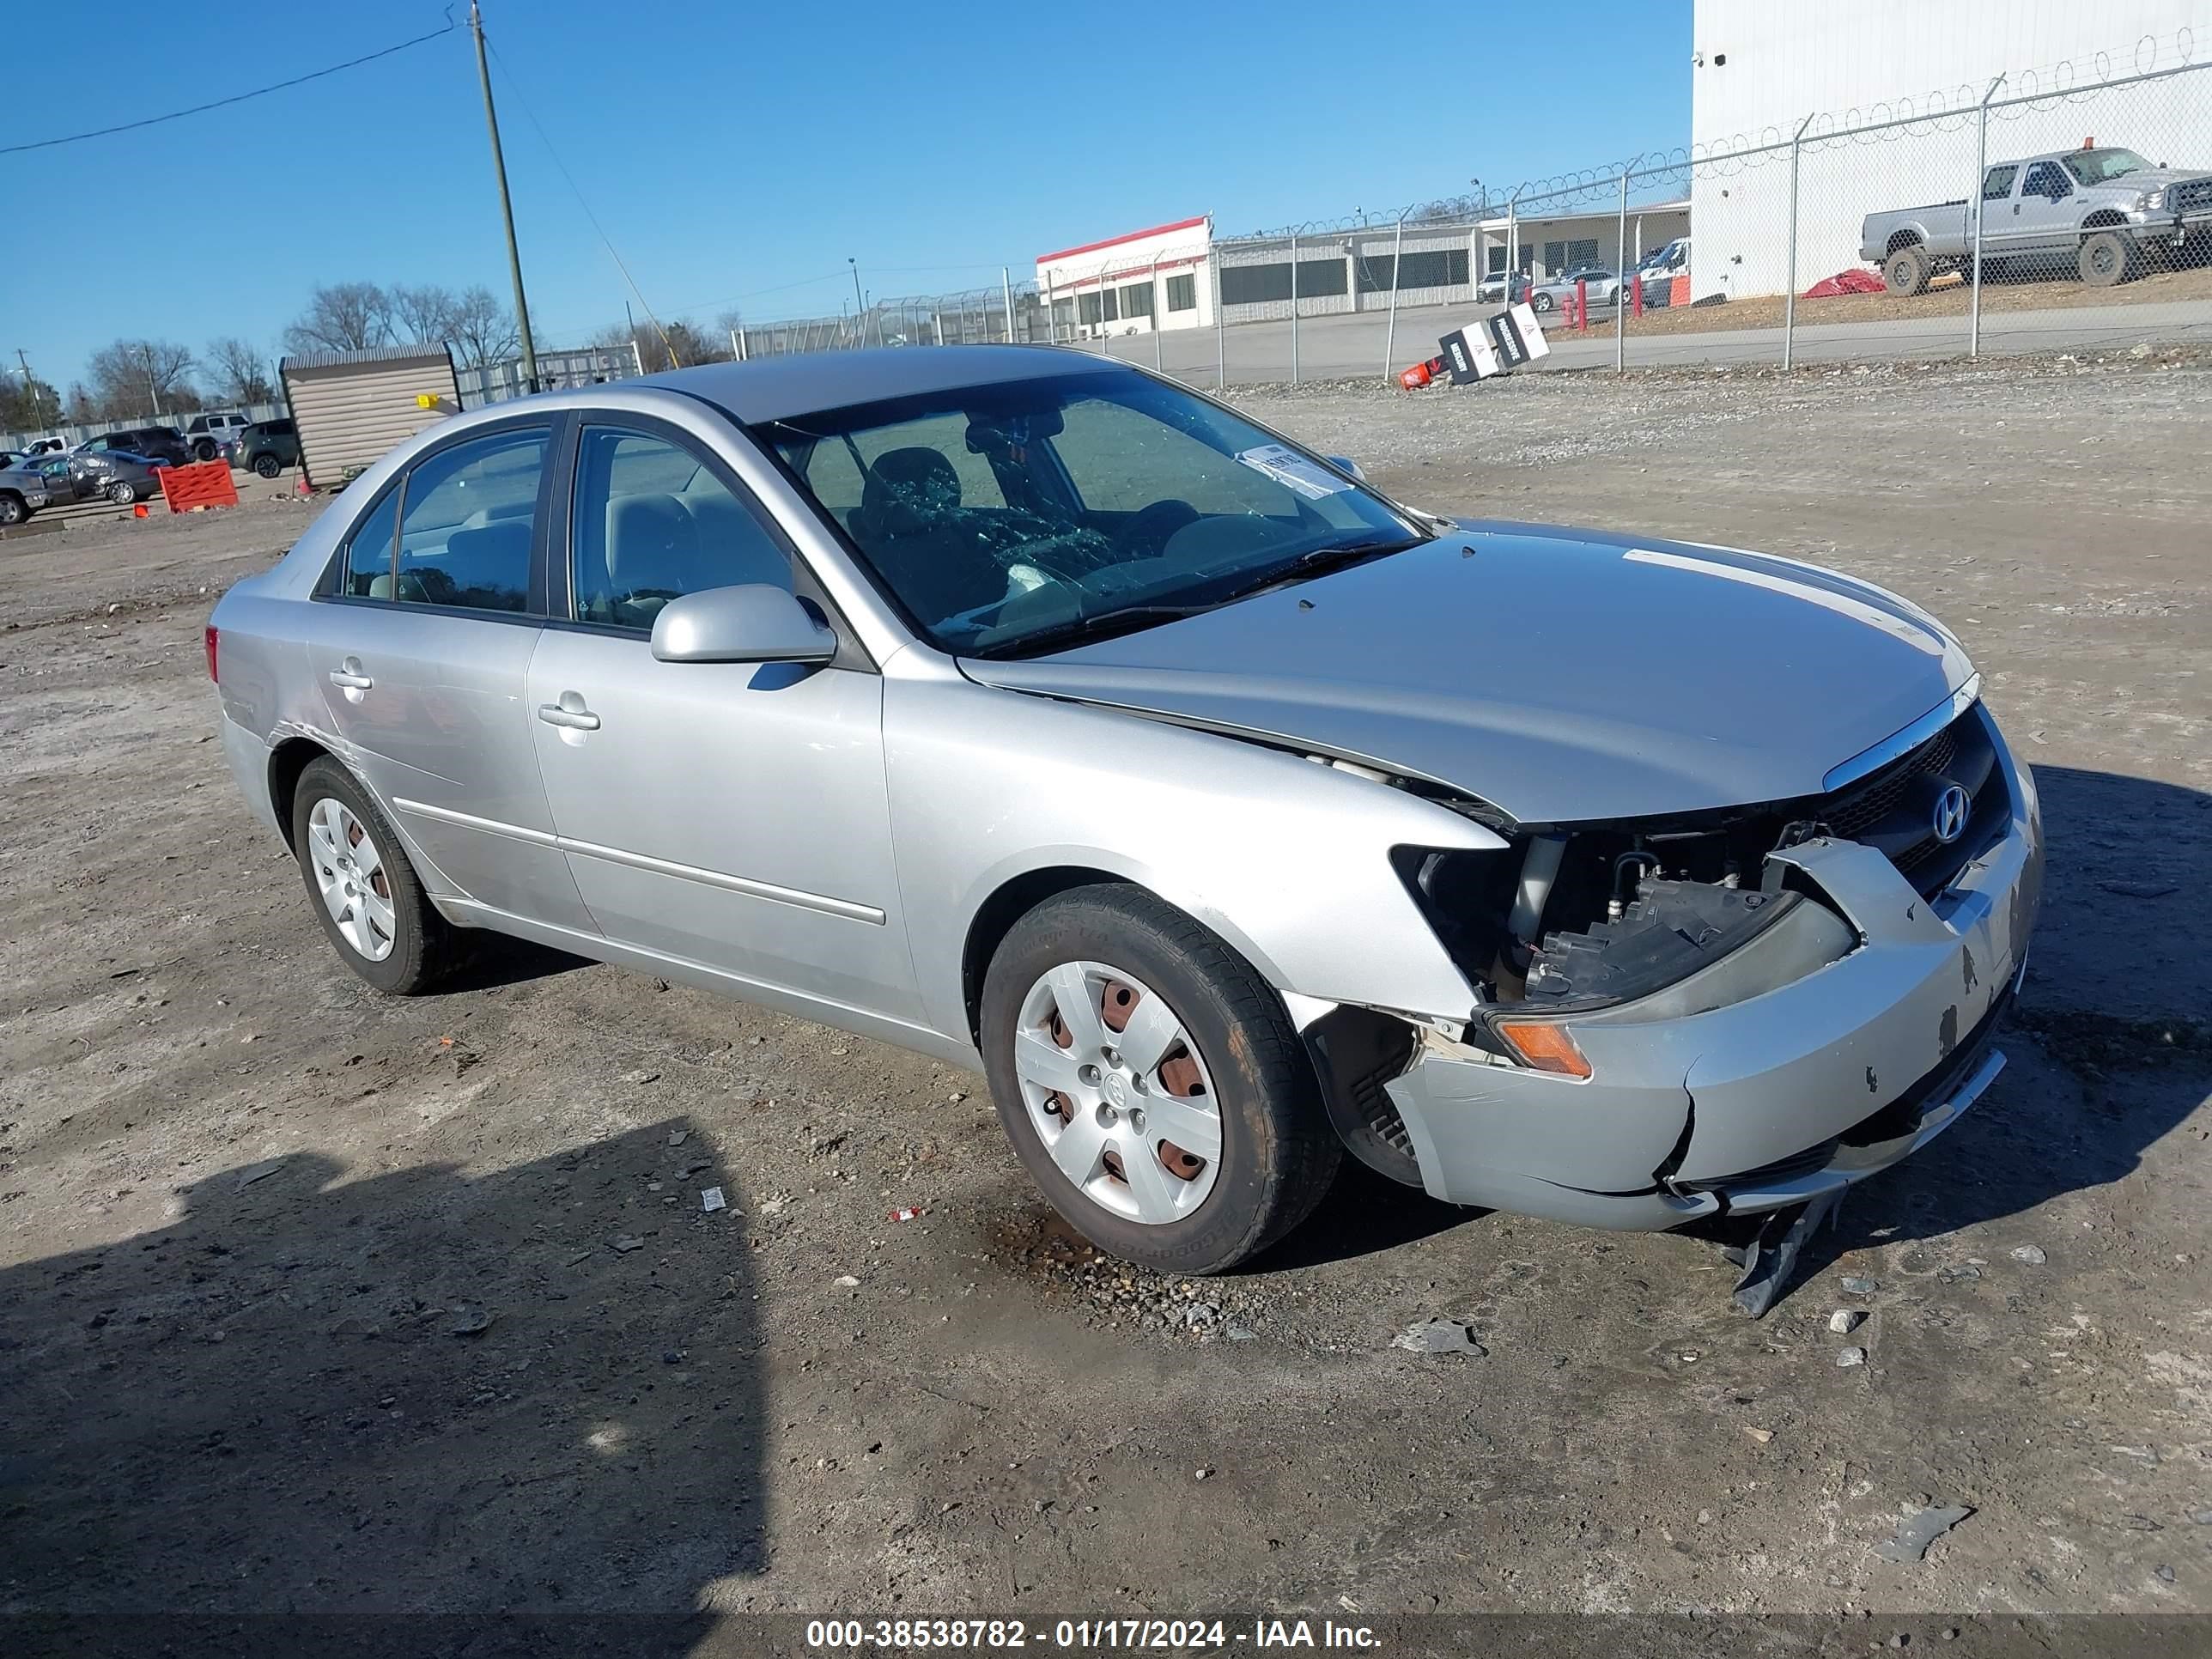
313	1302
1951	299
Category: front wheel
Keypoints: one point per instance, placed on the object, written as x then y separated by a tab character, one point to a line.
123	494
12	509
1151	1082
2107	258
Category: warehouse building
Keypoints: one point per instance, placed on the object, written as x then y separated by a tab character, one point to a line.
1759	70
1133	283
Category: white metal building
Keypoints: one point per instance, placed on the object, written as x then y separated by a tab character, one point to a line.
1158	278
1760	69
352	406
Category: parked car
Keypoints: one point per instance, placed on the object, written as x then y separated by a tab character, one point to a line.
1038	713
1503	289
115	475
22	492
205	434
2100	213
265	447
164	444
1601	286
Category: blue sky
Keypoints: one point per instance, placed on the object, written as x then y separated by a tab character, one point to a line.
737	155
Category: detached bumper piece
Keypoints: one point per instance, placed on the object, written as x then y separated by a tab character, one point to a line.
1855	1027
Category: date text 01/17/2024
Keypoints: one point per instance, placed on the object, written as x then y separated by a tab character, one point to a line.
1141	1635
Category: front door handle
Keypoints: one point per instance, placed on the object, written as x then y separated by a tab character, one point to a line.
569	713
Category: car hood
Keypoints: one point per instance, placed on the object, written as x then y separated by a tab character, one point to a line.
1561	676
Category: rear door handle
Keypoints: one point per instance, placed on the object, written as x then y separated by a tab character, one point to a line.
573	720
349	676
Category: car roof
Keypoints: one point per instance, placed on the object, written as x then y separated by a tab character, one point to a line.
778	388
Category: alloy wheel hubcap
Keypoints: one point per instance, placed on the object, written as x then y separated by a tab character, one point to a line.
349	874
1118	1092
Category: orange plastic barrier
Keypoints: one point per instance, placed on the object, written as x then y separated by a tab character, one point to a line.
1678	293
207	484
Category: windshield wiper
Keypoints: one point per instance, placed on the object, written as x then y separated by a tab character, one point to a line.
1105	624
1317	561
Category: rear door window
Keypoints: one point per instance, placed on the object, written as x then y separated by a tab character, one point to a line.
1997	185
467	526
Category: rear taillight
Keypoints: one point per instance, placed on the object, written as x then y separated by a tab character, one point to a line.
213	635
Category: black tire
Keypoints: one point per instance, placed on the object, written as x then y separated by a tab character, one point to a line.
1279	1153
203	450
1543	302
425	946
2107	258
267	466
1905	273
123	494
13	509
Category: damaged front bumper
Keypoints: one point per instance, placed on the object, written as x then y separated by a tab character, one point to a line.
1790	1093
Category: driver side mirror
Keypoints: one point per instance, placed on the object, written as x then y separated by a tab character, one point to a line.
753	623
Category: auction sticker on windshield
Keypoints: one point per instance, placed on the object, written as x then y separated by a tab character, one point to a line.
1293	471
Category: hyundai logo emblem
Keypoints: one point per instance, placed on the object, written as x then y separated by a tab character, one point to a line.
1950	816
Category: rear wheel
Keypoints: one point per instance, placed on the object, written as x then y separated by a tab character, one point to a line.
2107	258
267	466
1151	1082
203	450
364	891
1905	273
1543	302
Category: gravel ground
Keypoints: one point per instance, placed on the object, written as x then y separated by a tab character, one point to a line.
311	1301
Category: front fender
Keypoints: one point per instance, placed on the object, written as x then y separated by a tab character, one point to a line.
1286	859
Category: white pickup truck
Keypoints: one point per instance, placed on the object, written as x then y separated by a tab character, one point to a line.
2100	211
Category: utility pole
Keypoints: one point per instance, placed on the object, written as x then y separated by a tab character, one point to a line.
859	304
31	386
505	206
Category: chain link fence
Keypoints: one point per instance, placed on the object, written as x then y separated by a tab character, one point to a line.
2047	212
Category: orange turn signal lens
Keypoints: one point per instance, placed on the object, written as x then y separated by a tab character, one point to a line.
1544	1047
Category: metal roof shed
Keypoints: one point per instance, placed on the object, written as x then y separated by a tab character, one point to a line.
352	406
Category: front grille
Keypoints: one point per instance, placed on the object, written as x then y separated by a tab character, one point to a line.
2194	197
1857	807
1886	809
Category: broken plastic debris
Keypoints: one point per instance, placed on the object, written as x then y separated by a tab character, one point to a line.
1845	1321
711	1200
678	1137
626	1243
2031	1254
1437	1336
471	1321
1857	1286
1920	1529
1851	1357
846	1280
904	1214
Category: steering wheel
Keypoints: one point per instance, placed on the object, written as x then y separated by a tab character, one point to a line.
1145	535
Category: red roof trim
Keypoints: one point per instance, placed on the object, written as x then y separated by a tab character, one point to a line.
1115	241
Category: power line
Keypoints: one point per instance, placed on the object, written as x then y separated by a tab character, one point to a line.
224	103
515	87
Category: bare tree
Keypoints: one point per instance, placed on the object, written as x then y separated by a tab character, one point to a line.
343	317
79	410
482	330
134	377
423	315
729	322
679	344
240	371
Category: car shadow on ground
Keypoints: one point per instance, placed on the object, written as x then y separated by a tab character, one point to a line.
379	1399
2109	1049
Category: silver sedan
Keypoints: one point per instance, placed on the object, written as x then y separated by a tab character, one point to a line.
1034	713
